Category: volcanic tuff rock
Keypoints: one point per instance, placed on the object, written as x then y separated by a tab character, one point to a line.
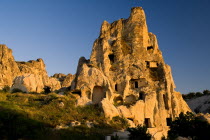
8	67
28	76
65	80
126	68
126	75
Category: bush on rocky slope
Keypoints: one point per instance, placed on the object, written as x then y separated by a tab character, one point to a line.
32	116
189	125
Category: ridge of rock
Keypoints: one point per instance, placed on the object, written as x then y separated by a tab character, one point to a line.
28	76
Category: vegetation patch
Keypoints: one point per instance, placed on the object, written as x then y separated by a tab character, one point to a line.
37	116
192	95
189	125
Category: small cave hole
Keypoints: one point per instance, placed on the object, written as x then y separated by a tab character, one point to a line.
116	89
147	64
136	84
168	121
111	58
150	48
147	122
141	96
78	92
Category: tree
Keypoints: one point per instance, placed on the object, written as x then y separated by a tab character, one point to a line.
206	92
189	125
139	133
47	89
198	94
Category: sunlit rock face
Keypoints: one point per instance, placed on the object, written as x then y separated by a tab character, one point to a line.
8	67
34	77
65	80
28	76
127	68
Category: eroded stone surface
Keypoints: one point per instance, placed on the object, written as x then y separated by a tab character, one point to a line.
127	69
28	76
126	75
8	67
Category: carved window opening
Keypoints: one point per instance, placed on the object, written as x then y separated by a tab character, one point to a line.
78	92
147	122
147	64
136	84
98	94
152	64
141	96
150	48
116	89
168	121
165	102
111	58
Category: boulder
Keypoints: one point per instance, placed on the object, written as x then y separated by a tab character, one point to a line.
28	83
109	109
83	101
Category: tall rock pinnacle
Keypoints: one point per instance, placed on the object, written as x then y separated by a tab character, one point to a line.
127	76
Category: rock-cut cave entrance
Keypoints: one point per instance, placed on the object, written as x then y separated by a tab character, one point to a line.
147	122
111	58
98	94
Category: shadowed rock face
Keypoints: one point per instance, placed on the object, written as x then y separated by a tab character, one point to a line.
128	66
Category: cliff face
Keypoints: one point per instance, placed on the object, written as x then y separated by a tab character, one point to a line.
8	67
126	68
28	76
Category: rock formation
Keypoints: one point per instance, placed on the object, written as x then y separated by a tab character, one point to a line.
200	104
127	76
8	67
65	80
28	76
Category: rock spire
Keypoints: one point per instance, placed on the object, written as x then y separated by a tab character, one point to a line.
127	75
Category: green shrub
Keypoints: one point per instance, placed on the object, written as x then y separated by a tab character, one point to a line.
47	89
6	89
206	92
119	123
15	90
188	125
139	133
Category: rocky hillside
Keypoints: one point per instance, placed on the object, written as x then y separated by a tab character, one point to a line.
126	76
28	76
200	104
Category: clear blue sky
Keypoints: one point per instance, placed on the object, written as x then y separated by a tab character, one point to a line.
61	31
